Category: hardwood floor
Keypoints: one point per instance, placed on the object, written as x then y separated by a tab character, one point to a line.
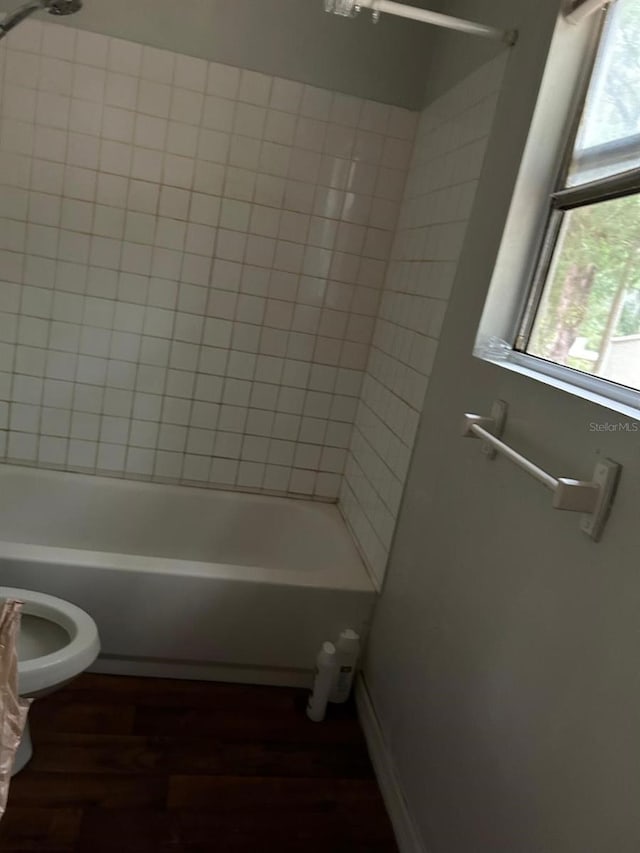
131	765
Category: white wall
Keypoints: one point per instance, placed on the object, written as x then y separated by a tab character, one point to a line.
284	38
439	194
190	263
503	661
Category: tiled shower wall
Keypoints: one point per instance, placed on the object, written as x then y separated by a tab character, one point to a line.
447	161
191	258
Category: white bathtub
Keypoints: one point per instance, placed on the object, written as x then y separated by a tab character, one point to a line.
186	582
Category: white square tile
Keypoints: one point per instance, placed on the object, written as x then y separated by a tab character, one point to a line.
157	65
174	203
140	461
52	451
254	88
55	422
105	252
17	136
136	258
208	178
111	457
346	110
255	448
77	215
108	222
223	80
125	57
240	184
213	146
48	143
218	114
74	247
200	239
56	76
154	99
302	482
178	171
147	165
80	183
190	73
316	103
118	124
235	215
249	120
82	454
187	106
170	234
116	158
89	84
91	49
121	90
19	102
143	196
150	132
276	478
223	471
286	95
280	127
85	117
182	139
22	68
24	418
22	446
230	245
59	41
204	209
166	263
168	465
83	151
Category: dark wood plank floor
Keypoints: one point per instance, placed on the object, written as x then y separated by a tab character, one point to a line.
130	765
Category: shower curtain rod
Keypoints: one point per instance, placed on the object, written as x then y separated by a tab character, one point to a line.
350	8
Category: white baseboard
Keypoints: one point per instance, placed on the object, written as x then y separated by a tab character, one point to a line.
152	668
404	827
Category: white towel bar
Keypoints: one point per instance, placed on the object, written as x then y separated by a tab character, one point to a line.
593	497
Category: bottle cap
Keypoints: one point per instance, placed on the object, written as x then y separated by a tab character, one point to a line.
328	648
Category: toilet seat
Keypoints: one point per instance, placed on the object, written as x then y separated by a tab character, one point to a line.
65	662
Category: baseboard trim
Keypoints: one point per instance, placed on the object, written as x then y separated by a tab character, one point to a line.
404	827
154	668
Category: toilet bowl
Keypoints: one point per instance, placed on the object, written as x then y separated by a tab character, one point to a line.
57	642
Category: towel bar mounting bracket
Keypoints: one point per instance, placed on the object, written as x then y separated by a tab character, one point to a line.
593	498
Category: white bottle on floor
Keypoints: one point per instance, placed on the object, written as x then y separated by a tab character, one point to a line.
326	673
348	650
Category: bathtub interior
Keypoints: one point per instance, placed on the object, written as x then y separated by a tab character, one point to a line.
76	511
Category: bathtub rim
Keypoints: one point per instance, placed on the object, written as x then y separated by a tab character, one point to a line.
347	580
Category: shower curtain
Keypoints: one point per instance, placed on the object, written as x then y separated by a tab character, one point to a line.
13	709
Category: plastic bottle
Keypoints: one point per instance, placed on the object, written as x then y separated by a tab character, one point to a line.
347	650
326	673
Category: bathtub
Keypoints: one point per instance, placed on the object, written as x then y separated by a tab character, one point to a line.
186	582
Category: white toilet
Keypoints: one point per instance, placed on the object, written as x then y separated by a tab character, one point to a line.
57	642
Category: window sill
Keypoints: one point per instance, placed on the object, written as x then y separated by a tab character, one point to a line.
623	401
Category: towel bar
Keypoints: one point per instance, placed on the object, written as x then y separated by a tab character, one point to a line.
593	497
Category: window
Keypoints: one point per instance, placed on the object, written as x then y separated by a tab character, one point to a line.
584	308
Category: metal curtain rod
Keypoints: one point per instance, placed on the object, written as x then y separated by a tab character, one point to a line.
593	497
350	8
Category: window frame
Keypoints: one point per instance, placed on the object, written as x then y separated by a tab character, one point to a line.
526	253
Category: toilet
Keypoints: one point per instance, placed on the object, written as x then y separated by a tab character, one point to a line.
57	642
